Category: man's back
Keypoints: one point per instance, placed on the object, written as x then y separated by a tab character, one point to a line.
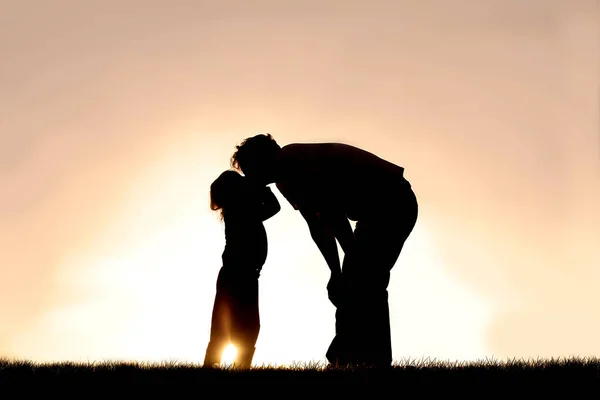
336	175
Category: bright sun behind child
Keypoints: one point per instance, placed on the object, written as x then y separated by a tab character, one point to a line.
229	354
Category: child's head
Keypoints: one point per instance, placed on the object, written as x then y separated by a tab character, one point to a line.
225	191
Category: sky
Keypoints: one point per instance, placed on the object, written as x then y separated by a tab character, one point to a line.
116	116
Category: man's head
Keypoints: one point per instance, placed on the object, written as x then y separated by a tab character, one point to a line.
255	157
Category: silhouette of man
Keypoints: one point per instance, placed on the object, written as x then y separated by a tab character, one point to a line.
331	184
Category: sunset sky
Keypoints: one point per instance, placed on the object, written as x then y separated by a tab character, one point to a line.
115	117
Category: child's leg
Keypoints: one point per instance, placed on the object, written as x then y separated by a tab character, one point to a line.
214	352
246	320
220	322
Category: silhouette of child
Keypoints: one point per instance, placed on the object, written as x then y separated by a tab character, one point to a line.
243	207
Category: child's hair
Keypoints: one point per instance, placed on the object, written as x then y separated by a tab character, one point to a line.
224	191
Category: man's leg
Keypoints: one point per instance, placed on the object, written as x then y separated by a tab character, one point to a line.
362	316
365	320
362	321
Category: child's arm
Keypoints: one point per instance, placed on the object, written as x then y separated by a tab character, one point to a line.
269	206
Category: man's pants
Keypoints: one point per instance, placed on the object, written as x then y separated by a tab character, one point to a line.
362	317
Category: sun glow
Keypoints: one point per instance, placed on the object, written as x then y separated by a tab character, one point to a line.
229	355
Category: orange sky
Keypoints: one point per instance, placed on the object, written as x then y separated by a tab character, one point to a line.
115	117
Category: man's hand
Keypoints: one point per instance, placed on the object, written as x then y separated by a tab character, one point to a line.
336	289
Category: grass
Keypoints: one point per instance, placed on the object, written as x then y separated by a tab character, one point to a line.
425	376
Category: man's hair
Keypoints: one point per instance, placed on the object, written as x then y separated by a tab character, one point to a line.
253	149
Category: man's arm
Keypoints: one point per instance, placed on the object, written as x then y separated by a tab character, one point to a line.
325	228
324	240
340	227
270	206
